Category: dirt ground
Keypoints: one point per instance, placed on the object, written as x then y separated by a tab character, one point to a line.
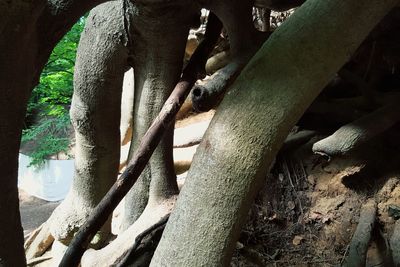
34	211
309	209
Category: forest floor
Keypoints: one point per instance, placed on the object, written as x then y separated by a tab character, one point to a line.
309	208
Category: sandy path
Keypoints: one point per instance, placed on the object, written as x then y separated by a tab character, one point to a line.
34	211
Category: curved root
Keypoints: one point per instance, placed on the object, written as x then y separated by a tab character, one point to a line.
360	241
358	132
112	254
39	242
395	244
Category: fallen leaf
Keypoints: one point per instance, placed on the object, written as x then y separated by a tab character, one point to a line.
297	240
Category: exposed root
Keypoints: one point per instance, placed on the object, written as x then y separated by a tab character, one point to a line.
200	117
139	253
69	216
360	241
57	251
182	166
38	260
190	135
217	62
31	236
358	132
184	111
39	242
293	141
116	251
395	244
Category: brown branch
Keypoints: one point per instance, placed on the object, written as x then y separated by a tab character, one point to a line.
147	146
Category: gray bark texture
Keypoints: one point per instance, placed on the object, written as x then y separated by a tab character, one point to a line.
274	90
359	132
395	244
157	63
102	59
28	32
360	241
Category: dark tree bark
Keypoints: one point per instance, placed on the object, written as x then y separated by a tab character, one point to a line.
29	30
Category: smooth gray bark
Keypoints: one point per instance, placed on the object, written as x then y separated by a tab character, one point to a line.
358	132
102	59
360	241
274	90
157	66
395	244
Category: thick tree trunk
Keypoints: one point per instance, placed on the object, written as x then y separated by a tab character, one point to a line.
28	32
274	90
157	66
95	114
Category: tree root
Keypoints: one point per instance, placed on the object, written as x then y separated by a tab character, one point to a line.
358	132
143	243
39	242
118	250
69	216
395	244
360	241
217	62
35	261
184	111
295	140
191	135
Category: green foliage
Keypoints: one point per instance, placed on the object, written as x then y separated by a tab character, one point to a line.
50	137
50	100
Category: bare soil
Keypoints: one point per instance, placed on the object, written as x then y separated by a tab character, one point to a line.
34	211
309	207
